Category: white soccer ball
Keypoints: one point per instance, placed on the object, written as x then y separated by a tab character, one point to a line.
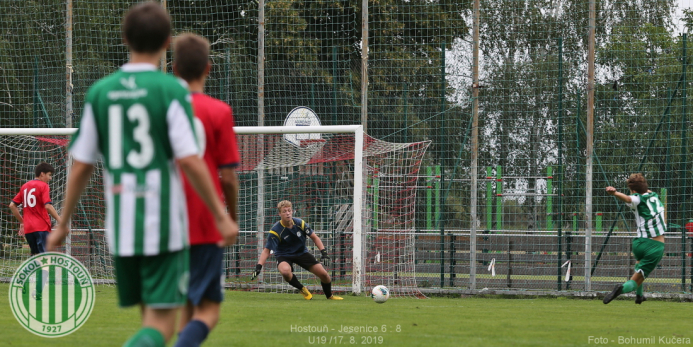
380	294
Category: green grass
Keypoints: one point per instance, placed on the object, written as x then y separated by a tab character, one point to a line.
265	319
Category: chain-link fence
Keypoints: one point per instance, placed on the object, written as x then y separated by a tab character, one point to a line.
555	113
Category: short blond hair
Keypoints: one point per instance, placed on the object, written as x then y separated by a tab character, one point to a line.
282	204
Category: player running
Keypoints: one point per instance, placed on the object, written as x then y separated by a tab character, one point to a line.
214	119
287	239
648	246
140	120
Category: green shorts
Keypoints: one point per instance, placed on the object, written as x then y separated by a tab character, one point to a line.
648	253
159	281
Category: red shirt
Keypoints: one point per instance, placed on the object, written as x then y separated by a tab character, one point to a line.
220	150
34	195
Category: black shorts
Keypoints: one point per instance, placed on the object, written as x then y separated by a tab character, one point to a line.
305	260
206	273
37	241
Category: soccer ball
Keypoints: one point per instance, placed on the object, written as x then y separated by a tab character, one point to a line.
380	294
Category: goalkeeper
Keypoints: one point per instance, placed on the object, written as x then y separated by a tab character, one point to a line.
287	239
648	246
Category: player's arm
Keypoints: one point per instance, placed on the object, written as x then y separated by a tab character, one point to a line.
263	256
324	257
623	197
51	210
230	186
271	244
79	177
260	263
316	239
15	211
199	177
46	198
84	149
179	118
228	158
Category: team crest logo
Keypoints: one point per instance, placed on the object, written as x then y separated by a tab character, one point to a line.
129	83
298	234
52	294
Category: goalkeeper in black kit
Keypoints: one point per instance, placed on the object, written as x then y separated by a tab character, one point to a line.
287	239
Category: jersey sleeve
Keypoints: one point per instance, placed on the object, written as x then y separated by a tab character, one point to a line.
19	198
306	227
272	242
179	118
85	143
46	195
227	148
634	202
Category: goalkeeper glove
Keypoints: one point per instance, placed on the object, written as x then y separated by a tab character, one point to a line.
258	268
324	258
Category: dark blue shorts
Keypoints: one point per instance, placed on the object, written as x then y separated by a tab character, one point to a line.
206	273
37	241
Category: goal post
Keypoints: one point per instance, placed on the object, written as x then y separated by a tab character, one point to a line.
358	193
357	130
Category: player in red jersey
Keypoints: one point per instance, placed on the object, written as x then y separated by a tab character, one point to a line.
214	129
35	197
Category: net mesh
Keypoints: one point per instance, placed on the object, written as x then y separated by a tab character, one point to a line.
318	179
20	155
532	111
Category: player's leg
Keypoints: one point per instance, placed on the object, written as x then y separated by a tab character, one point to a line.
41	241
205	295
129	290
205	316
158	325
639	296
622	287
653	253
308	262
286	270
186	314
164	285
41	245
32	240
648	252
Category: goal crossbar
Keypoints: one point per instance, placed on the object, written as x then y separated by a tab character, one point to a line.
357	262
331	129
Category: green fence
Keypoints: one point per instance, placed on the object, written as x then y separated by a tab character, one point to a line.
545	111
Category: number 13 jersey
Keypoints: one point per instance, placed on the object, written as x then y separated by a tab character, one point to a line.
140	120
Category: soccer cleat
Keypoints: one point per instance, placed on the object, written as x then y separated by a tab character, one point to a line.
614	293
639	299
306	294
334	297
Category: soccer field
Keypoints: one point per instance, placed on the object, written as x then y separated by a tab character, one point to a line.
265	319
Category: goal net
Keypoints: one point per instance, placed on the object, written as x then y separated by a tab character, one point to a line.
316	170
19	155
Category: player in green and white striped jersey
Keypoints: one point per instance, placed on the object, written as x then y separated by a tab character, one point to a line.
648	246
140	120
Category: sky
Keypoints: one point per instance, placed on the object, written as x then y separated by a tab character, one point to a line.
683	4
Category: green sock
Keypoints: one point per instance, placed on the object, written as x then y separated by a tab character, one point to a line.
629	286
639	290
146	337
